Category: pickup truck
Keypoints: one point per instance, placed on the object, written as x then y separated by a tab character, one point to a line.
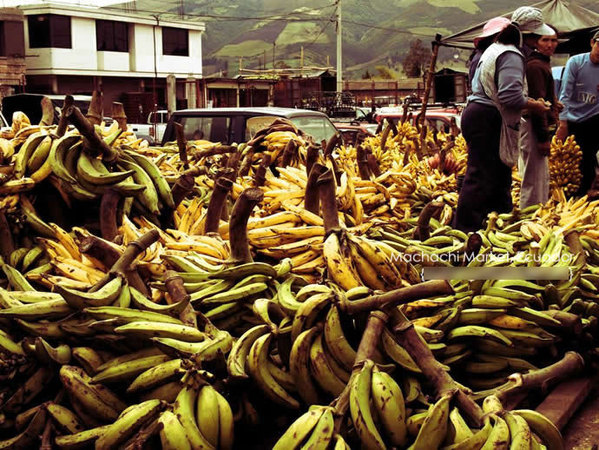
153	129
236	125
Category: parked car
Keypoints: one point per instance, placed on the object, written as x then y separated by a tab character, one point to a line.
351	132
236	125
153	129
30	104
441	118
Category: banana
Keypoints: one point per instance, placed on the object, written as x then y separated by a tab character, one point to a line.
520	433
499	437
166	392
206	350
389	404
479	316
29	390
379	260
29	437
300	429
8	345
92	170
236	360
42	310
336	341
16	279
226	423
102	297
458	431
286	299
322	369
235	294
397	353
97	400
82	439
339	266
542	427
162	187
307	314
143	303
258	369
128	369
299	366
24	154
476	441
146	330
147	197
127	315
207	414
128	422
322	434
157	375
532	337
66	420
434	427
479	332
47	354
494	302
185	410
367	272
361	412
88	358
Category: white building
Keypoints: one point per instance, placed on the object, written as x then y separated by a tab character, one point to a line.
75	49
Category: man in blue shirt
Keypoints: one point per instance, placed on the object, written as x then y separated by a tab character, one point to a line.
580	116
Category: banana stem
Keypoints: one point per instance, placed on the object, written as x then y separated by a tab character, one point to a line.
328	200
571	364
289	152
238	235
363	167
569	323
108	220
385	134
181	144
7	244
377	320
423	229
233	162
432	369
92	140
62	120
119	116
217	202
572	239
182	187
333	142
260	175
373	165
123	265
311	157
246	163
311	196
94	112
397	296
178	293
47	111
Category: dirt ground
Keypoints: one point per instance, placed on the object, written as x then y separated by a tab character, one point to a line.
582	431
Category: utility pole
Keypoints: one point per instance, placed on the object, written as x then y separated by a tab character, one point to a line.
339	60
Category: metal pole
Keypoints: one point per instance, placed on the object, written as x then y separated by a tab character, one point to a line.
427	87
339	57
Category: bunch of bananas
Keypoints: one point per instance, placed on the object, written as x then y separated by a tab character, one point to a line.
564	165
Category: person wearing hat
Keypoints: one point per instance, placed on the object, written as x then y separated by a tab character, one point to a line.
580	116
537	129
530	22
483	40
491	128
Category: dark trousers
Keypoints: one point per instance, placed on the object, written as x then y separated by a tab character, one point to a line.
487	183
585	134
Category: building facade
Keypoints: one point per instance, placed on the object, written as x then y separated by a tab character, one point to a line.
126	55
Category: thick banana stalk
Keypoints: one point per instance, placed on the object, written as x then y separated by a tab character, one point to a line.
240	250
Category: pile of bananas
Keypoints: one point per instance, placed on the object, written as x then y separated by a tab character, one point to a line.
564	165
265	351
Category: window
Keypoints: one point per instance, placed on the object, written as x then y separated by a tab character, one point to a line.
214	129
112	36
49	30
175	42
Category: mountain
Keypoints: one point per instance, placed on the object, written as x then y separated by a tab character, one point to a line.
257	33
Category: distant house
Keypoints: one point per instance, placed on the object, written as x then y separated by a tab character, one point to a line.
128	56
12	51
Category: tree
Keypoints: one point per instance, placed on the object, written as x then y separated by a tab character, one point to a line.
384	72
416	60
366	75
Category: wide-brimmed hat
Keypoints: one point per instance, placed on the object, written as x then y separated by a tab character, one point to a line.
530	21
493	26
595	36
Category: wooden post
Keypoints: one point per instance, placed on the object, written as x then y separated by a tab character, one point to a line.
427	88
